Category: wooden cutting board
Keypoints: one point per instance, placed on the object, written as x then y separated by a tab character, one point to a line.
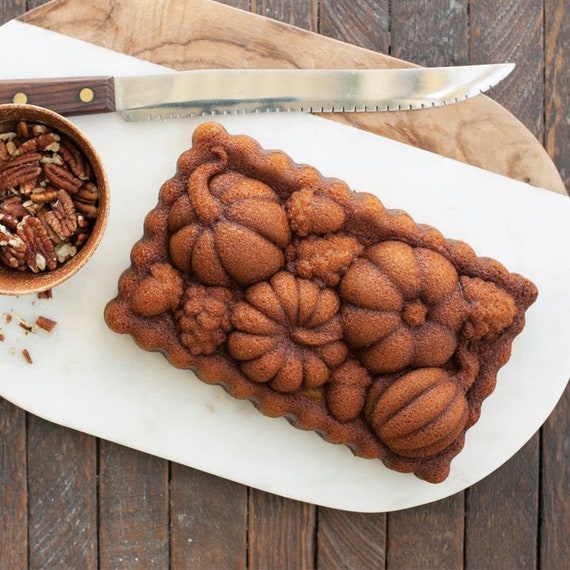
198	34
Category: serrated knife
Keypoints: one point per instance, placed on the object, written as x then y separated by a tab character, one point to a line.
233	91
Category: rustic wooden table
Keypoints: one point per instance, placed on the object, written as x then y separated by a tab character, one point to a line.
68	500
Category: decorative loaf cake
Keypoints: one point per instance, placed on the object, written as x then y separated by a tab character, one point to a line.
318	304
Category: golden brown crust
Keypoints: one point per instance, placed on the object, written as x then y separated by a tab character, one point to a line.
318	304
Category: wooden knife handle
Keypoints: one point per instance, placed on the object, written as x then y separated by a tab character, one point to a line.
69	96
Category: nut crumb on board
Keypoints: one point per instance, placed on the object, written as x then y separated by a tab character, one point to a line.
45	323
26	326
45	294
27	357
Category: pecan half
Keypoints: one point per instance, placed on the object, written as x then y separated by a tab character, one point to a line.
40	252
44	195
62	178
13	175
8	220
22	159
12	249
74	159
86	200
63	217
13	205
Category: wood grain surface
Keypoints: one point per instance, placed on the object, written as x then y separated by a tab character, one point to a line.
70	501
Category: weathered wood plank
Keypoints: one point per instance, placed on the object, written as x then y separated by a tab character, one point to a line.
31	4
350	540
353	540
555	476
366	25
502	30
557	84
208	521
13	440
62	497
241	4
507	31
428	33
501	518
430	536
281	533
301	13
11	9
133	507
434	32
13	487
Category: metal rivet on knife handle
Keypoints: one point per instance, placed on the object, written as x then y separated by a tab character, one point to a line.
20	98
69	96
86	95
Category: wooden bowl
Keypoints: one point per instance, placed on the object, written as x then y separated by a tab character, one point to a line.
22	282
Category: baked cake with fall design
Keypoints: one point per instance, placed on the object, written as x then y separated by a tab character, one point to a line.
318	304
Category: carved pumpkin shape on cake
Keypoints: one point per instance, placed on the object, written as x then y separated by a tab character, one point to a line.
402	307
227	228
287	333
419	414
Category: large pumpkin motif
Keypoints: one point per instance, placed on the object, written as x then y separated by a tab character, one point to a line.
287	333
402	307
227	228
419	414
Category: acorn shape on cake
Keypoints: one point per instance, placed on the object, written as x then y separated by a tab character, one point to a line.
228	228
402	307
312	212
287	333
419	414
159	292
324	258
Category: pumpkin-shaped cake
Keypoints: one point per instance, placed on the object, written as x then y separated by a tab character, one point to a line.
228	227
403	307
318	304
287	333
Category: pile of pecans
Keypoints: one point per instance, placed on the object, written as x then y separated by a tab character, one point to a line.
48	198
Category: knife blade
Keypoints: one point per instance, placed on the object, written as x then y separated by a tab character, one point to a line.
233	91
